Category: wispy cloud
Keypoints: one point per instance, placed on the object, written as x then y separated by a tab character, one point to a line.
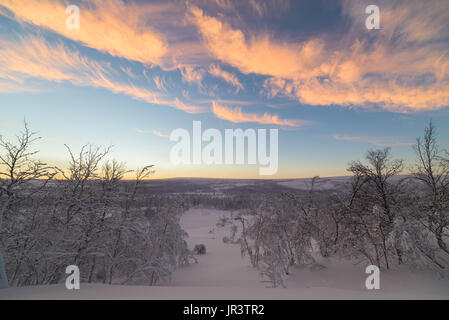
34	57
230	78
260	54
111	26
14	87
155	132
191	74
237	115
160	134
187	108
375	140
403	67
129	72
160	83
265	7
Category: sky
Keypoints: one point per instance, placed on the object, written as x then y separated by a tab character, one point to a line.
135	71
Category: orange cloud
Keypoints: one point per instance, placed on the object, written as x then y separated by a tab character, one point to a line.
236	115
389	95
191	74
129	72
160	83
230	78
107	25
160	134
33	57
402	67
260	55
186	108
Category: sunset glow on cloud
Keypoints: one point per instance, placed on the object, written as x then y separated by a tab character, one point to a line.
111	26
226	76
307	68
236	115
409	73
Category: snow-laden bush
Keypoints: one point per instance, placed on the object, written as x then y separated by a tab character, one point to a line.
278	234
86	216
381	218
199	249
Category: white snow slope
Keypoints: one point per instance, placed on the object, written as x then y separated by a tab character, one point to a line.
222	274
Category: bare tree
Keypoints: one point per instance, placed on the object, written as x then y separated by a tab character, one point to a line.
87	216
432	170
380	192
21	174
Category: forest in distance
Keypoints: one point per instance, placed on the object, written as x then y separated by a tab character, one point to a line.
128	231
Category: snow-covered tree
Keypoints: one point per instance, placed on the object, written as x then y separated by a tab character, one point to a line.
21	177
85	215
432	171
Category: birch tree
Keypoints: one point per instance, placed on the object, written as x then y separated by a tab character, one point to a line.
21	175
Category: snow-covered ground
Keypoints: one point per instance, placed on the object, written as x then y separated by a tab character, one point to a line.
222	265
222	274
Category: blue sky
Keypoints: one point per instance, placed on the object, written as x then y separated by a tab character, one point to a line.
135	71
